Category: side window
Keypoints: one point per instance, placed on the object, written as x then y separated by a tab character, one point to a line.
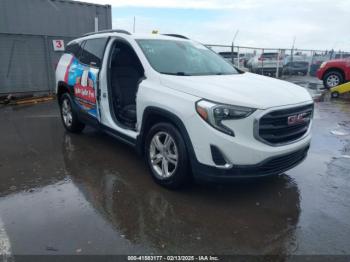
93	52
74	49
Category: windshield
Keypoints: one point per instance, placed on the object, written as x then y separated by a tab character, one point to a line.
184	58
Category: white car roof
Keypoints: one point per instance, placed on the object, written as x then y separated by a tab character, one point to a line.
130	36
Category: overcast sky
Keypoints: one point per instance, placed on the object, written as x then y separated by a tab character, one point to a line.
316	24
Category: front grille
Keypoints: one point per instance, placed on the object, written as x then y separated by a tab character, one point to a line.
286	125
283	163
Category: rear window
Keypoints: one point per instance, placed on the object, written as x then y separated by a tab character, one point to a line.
227	54
269	55
93	51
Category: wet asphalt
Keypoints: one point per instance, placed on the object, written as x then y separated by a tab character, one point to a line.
90	194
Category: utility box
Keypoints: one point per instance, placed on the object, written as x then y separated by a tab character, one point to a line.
34	34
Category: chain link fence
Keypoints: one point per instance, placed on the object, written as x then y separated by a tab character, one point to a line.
294	65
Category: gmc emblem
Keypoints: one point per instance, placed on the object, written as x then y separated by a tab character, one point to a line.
296	119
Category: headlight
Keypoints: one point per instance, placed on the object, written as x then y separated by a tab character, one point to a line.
323	64
214	114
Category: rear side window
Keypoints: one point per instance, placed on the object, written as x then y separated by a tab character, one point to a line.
74	49
93	52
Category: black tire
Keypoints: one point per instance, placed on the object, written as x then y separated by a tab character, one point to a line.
180	175
73	125
335	94
335	75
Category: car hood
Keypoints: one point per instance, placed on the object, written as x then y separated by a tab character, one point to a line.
245	89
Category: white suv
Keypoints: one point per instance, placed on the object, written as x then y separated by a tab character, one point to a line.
187	110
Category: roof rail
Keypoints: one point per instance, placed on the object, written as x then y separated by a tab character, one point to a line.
176	35
108	31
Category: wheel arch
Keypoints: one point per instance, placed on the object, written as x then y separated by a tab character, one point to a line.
153	115
336	69
62	88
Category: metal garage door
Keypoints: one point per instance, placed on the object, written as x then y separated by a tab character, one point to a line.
23	64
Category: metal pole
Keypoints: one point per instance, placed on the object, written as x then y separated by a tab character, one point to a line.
232	57
134	26
96	24
292	52
233	47
262	62
278	63
310	63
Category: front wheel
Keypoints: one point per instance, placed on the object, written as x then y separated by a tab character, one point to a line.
166	156
69	117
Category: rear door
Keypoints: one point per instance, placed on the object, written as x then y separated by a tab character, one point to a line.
84	75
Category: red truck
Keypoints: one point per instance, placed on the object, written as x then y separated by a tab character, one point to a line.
334	72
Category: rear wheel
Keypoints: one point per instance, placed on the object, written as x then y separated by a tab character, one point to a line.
332	79
69	117
166	156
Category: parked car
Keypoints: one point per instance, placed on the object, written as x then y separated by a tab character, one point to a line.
316	62
334	72
246	57
266	63
196	116
228	57
341	89
295	65
340	55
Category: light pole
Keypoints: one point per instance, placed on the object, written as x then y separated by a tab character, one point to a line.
292	52
233	46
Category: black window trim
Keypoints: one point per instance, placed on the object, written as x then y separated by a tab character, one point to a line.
80	51
82	45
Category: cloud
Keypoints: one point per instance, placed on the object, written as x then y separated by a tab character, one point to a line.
184	4
316	24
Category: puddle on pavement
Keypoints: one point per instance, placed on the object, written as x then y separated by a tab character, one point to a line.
104	204
90	194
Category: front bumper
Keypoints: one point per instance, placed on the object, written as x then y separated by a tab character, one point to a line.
244	149
271	166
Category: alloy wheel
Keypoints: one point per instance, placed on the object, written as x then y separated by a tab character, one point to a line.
67	113
333	80
163	154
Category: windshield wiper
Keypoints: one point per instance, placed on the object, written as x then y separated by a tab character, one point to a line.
176	74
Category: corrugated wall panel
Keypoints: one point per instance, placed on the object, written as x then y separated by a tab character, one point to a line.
23	64
27	28
52	17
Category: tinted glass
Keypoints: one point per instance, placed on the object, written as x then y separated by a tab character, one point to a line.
74	49
184	58
93	52
269	55
228	54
